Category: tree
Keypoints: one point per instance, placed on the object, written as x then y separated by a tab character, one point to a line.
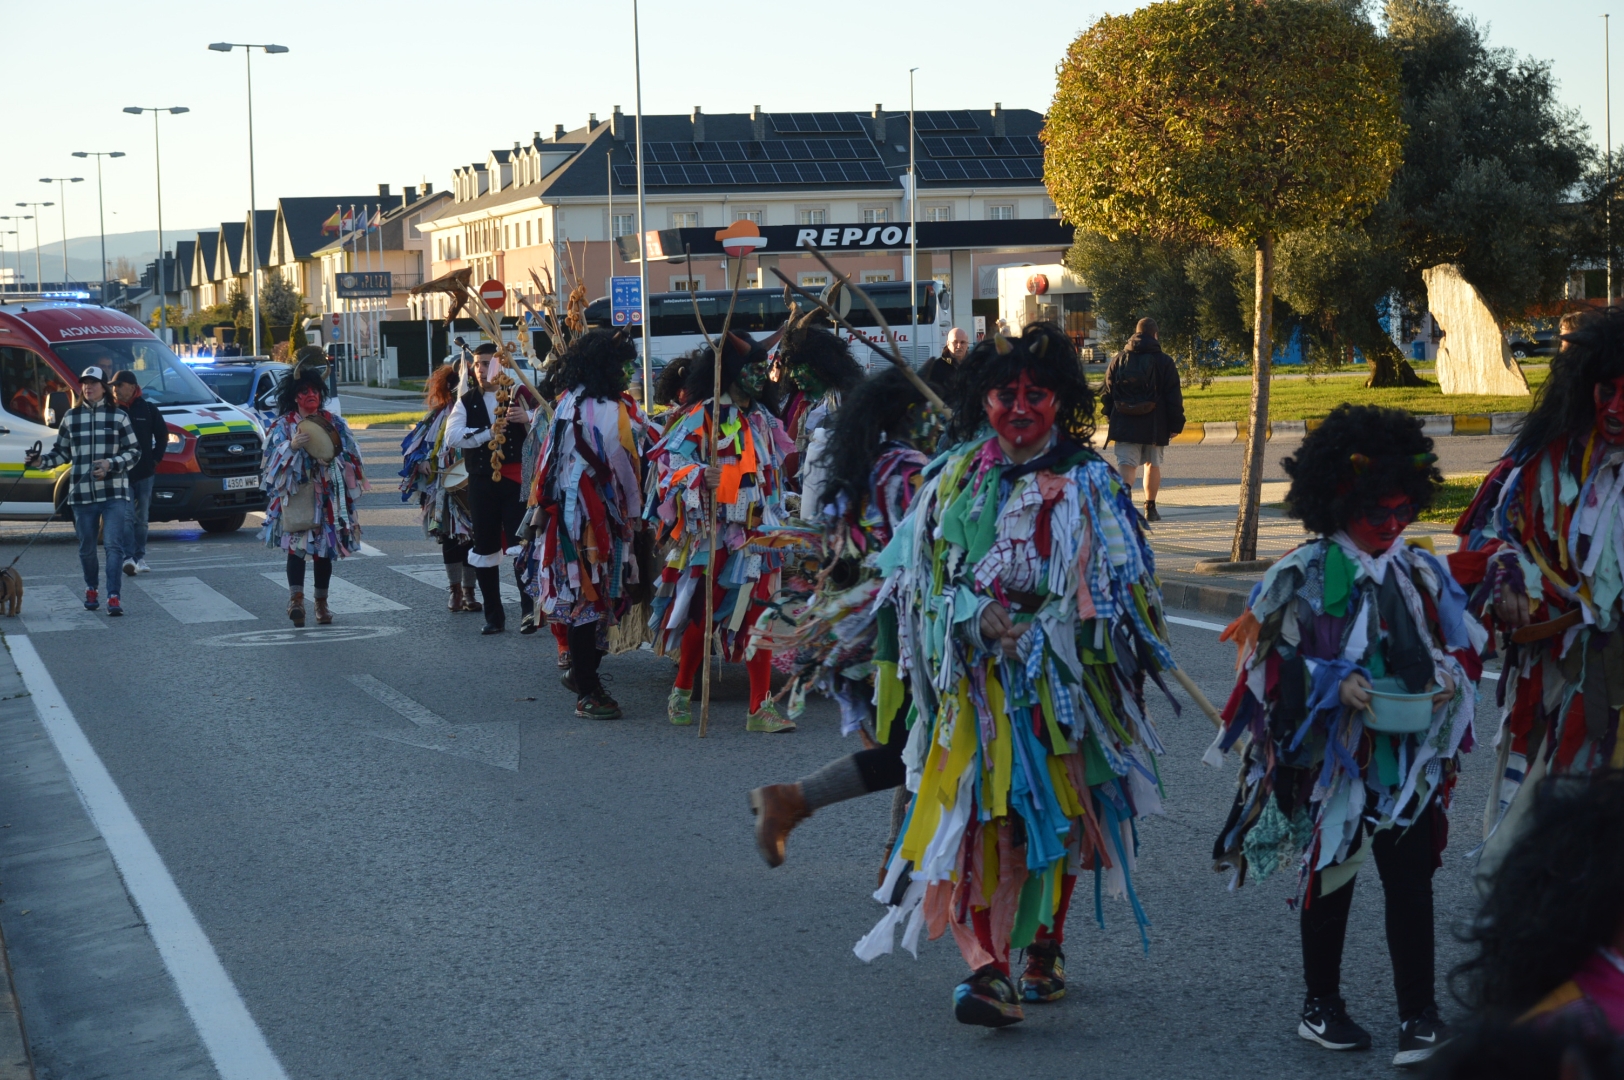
1226	122
279	302
173	316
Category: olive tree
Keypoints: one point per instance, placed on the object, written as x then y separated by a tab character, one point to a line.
1226	121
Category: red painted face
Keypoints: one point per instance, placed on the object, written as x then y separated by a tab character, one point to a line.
308	400
1610	410
1022	412
1376	531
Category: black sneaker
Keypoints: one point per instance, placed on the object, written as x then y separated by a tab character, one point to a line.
597	706
1325	1021
1418	1038
1150	511
987	999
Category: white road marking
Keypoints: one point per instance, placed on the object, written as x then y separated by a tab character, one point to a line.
495	743
1200	625
369	551
343	597
310	635
50	608
435	575
411	710
191	601
223	1022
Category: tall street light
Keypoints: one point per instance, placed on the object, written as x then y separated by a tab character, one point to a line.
157	164
18	272
642	236
39	275
101	210
62	183
913	228
253	203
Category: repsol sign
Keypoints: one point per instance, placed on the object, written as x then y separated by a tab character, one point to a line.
1021	234
854	236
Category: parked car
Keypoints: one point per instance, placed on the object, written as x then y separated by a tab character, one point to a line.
249	382
1539	343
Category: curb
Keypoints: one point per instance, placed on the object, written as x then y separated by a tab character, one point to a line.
1435	426
1211	599
16	1063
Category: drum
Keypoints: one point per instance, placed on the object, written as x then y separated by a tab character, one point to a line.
320	445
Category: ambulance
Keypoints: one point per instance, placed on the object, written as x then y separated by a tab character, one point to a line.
209	472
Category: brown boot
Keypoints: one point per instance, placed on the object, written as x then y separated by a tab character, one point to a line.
455	602
324	614
296	609
778	809
470	599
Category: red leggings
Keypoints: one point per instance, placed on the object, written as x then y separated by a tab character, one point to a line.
758	667
981	919
561	634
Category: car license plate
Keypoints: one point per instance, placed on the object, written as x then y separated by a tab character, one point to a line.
241	483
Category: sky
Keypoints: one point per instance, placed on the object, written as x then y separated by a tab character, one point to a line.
404	91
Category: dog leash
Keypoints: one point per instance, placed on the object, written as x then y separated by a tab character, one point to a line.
32	452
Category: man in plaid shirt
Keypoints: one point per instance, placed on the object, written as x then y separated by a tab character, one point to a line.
98	443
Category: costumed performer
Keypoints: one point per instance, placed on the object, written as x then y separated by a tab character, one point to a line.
746	489
841	642
430	472
312	477
1028	618
494	404
588	499
1343	632
1544	535
815	369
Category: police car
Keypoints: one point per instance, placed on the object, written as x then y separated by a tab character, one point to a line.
210	469
249	382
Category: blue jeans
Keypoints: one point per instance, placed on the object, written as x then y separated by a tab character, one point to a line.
135	536
113	515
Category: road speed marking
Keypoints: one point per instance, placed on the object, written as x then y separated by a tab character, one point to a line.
309	635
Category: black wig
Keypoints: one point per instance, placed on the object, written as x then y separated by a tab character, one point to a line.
1049	359
744	363
818	360
287	395
1566	404
882	407
673	379
1557	897
1359	455
597	361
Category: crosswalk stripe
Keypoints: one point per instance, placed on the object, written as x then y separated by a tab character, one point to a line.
189	600
369	551
434	574
50	608
344	597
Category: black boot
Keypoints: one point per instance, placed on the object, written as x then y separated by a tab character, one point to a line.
490	587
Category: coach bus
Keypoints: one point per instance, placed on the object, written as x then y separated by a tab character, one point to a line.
674	324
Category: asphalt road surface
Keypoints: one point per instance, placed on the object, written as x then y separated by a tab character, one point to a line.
414	861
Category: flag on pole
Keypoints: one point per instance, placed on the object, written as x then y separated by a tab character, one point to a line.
331	226
349	220
377	219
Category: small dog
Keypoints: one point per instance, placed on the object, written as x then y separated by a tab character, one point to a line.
11	591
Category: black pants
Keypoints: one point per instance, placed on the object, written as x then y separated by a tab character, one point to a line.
1406	863
496	511
324	573
584	658
882	768
454	552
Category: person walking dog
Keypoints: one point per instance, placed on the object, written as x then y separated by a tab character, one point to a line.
1144	407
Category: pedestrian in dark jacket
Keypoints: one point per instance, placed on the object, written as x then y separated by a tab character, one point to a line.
1144	407
152	435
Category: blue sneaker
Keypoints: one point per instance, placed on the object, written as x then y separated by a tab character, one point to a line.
91	601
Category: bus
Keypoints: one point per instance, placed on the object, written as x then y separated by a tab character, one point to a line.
674	325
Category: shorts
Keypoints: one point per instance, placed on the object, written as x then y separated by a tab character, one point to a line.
1133	455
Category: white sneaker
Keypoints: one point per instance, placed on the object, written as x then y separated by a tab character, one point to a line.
141	567
129	567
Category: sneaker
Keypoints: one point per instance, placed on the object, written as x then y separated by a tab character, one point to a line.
129	568
1150	511
597	706
679	706
1045	976
141	567
768	719
114	607
1418	1038
1325	1021
91	602
567	681
529	624
987	999
564	660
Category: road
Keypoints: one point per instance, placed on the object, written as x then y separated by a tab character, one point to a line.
518	893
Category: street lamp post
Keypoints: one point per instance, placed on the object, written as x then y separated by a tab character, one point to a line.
19	218
18	272
642	236
253	204
101	209
39	274
62	183
157	164
913	228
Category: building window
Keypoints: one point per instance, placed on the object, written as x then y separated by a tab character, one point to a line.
1000	212
685	219
756	216
938	213
871	276
527	233
875	215
813	281
682	284
812	217
624	225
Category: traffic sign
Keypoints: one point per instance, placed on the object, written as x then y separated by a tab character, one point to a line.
494	293
626	301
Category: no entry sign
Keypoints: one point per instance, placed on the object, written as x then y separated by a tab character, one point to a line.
494	293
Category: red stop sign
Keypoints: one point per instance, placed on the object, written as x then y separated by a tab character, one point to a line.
494	293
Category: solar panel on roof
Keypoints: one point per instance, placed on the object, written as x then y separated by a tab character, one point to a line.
757	174
825	123
945	120
982	169
662	153
977	146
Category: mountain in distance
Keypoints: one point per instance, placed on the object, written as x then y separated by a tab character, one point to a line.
84	252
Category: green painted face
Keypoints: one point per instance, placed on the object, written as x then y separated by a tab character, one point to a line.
808	380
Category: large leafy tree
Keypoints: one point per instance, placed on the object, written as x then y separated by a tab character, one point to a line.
1226	122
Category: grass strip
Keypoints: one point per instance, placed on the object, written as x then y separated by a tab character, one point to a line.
1298	399
1452	499
362	421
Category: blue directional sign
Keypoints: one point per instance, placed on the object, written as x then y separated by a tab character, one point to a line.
626	301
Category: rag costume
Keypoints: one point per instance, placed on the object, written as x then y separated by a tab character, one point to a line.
312	492
433	473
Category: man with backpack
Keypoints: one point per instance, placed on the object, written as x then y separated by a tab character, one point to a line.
1144	408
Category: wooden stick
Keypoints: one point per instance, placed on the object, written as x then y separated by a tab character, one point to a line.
1200	699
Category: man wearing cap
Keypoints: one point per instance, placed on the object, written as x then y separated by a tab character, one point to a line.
151	435
98	444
